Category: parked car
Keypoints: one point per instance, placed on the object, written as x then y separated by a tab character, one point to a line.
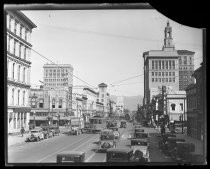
115	132
119	155
35	135
138	130
70	157
141	135
47	132
141	145
182	151
107	140
123	124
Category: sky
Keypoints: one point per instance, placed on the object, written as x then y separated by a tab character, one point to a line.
105	45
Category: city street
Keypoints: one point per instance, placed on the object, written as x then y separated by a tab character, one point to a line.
46	150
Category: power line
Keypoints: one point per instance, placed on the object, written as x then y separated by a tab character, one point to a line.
62	68
115	35
126	79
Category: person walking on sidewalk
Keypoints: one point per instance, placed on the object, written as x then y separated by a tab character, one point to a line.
22	131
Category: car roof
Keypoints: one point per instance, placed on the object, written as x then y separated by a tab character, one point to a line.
124	150
72	152
140	139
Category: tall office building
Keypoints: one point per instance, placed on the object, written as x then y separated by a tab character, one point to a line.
168	67
58	76
19	29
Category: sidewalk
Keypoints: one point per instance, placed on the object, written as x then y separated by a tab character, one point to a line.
18	139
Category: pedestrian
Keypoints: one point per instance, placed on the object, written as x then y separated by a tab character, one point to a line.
22	131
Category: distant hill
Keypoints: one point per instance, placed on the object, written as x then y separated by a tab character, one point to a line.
130	102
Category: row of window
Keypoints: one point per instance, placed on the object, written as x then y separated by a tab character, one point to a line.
17	48
163	79
18	71
184	60
54	74
185	68
173	107
163	64
56	84
53	80
163	73
18	97
17	28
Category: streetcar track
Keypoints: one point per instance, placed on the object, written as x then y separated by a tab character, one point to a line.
76	142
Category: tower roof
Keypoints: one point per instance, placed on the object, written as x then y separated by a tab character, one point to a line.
102	85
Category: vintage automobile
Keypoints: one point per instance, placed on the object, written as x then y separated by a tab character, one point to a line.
141	145
141	135
138	130
35	135
123	124
119	155
115	132
47	132
70	157
107	140
124	155
182	151
170	145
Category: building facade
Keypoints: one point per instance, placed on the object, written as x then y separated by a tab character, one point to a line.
103	97
196	106
186	68
19	29
166	68
49	104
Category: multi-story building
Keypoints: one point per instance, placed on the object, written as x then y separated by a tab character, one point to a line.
103	97
165	67
51	104
19	29
196	106
58	76
186	68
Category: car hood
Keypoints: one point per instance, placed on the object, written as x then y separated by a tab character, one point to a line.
143	149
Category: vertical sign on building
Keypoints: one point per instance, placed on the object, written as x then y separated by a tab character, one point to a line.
164	99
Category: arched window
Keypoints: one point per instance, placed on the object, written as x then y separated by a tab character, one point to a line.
13	92
53	103
173	106
19	72
60	103
18	97
23	98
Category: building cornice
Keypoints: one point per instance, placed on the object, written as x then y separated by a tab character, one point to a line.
18	84
11	56
19	38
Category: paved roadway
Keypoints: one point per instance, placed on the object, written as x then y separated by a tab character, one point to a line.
46	150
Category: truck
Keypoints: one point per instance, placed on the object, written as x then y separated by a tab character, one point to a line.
77	125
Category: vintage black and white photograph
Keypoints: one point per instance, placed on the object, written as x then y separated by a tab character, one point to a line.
122	86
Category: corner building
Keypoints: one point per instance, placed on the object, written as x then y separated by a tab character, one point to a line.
19	29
